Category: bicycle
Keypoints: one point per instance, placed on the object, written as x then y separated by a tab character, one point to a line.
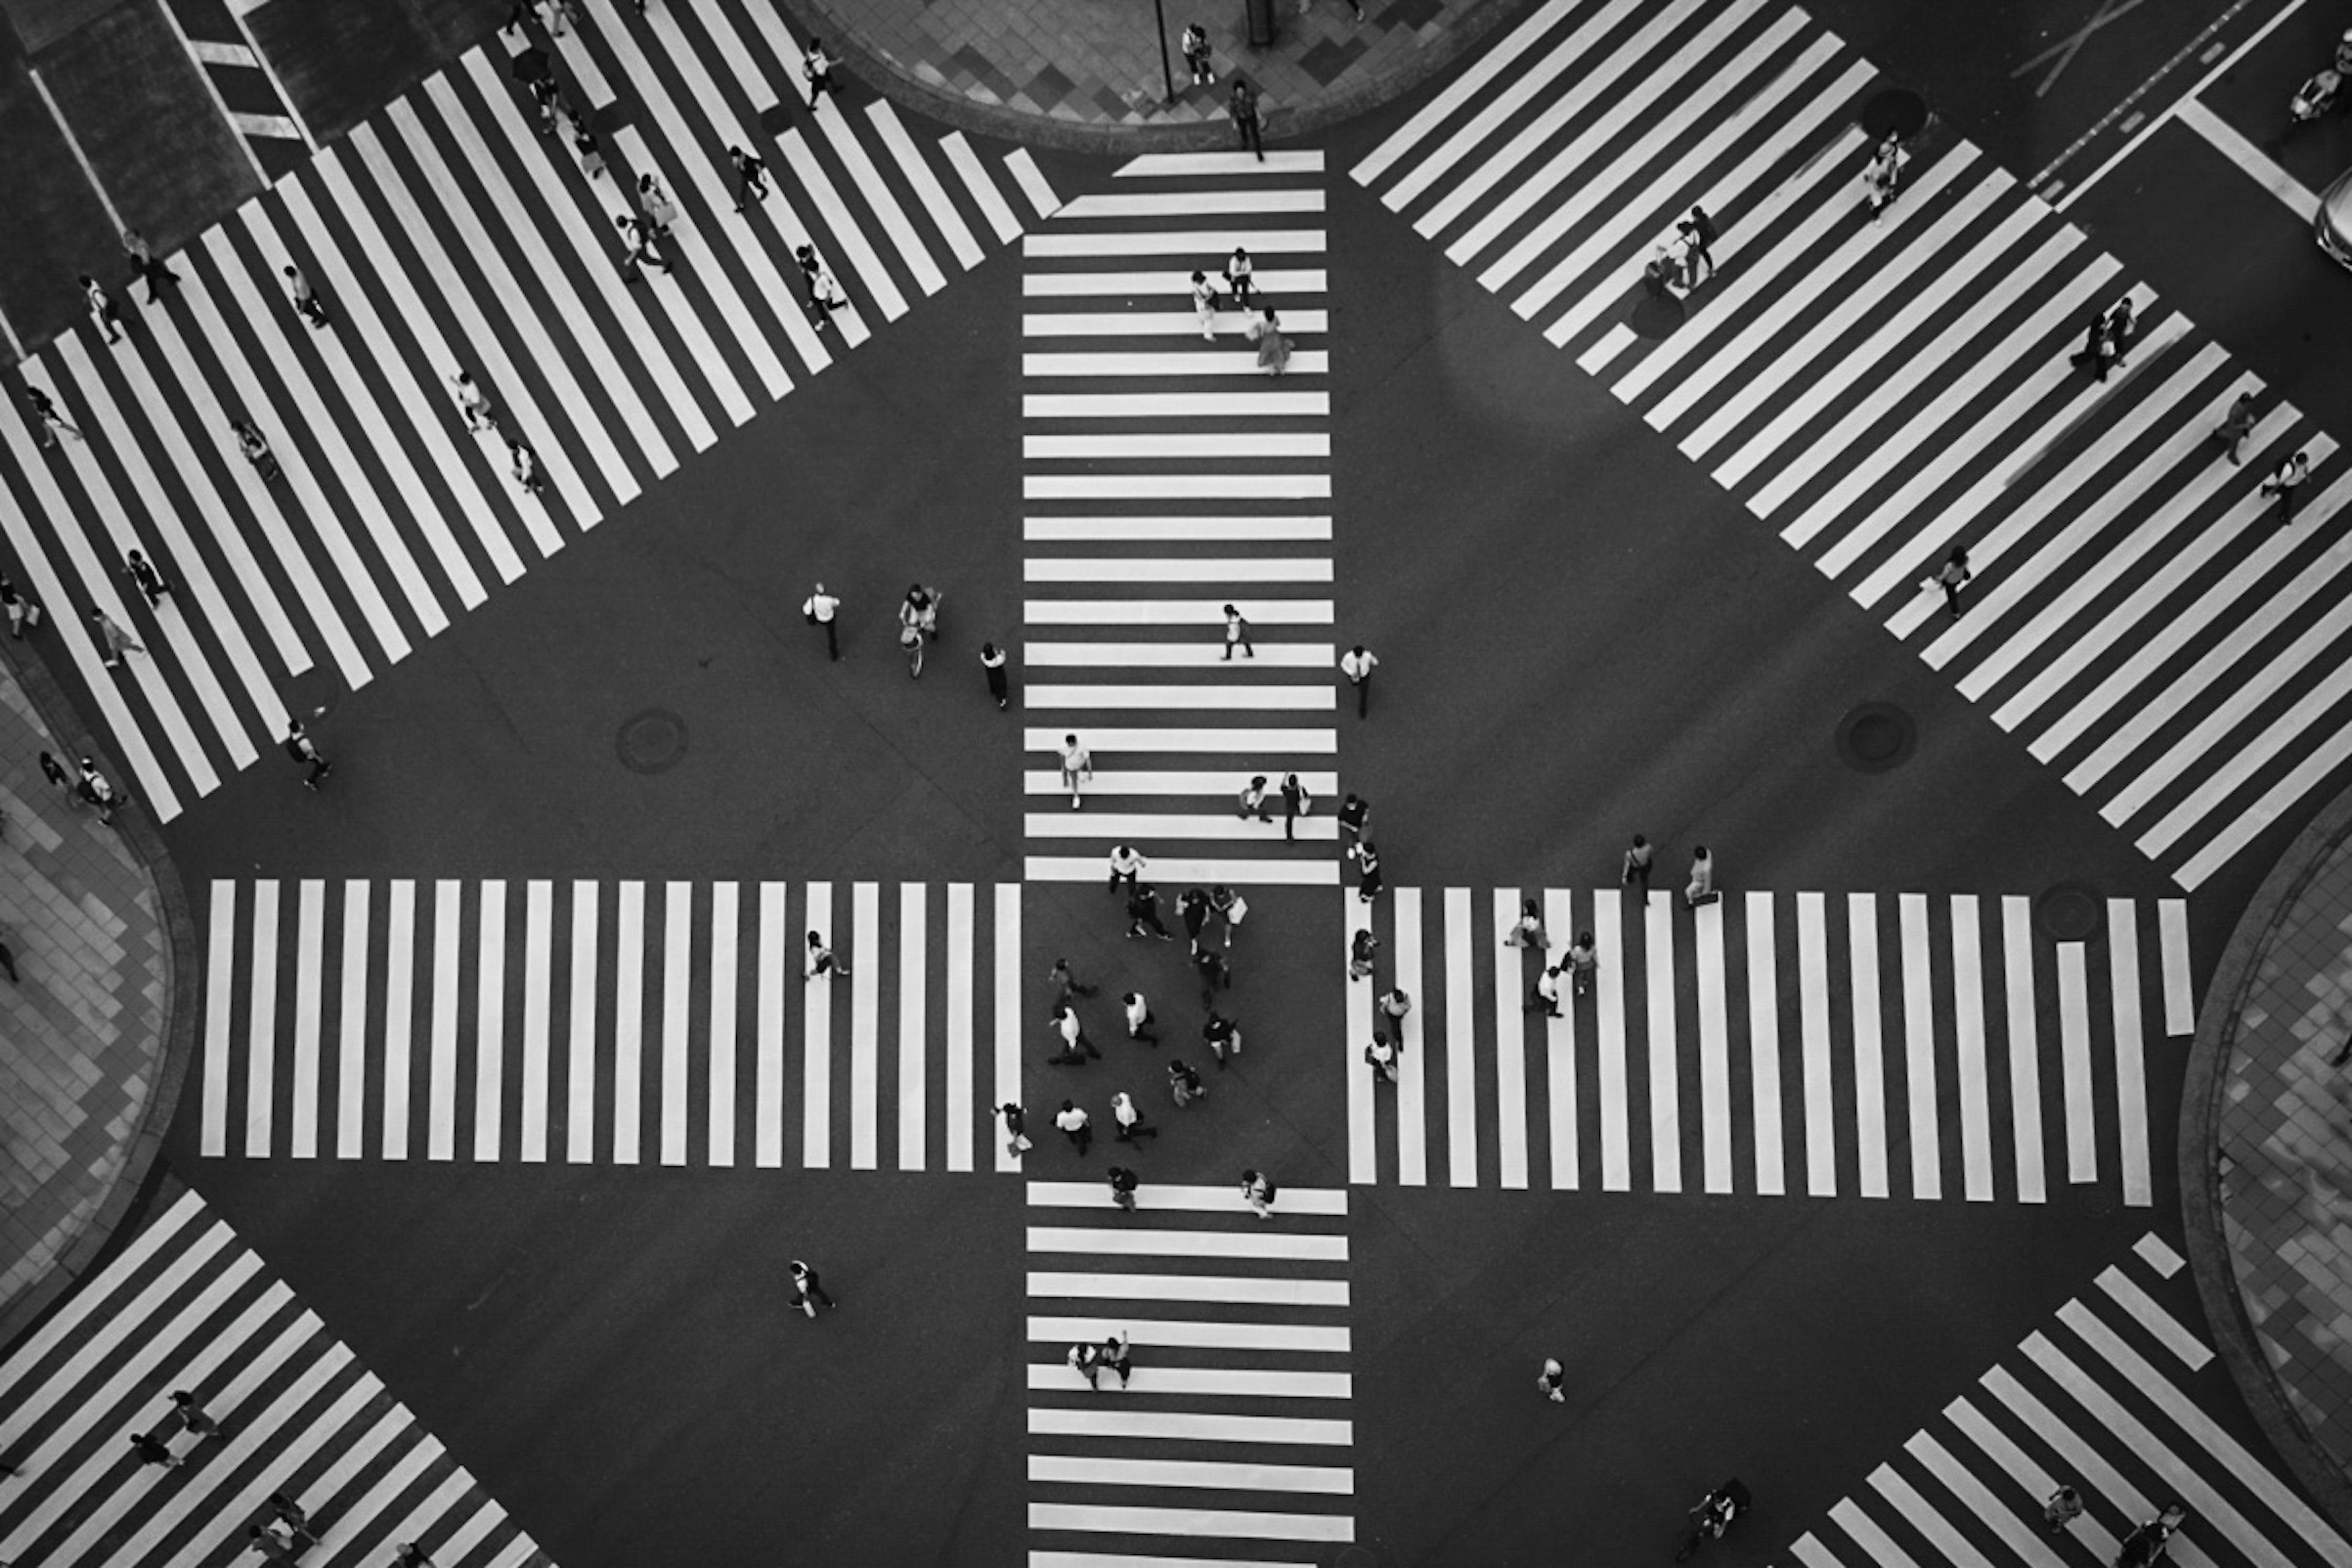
1712	1516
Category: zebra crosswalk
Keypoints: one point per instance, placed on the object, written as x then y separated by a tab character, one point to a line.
2138	615
1767	1042
1233	1431
187	1306
447	233
593	1023
1159	489
2108	1399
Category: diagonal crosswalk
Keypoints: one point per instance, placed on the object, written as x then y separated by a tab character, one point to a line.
448	234
2108	1398
1153	500
1232	1433
187	1305
585	1021
2139	616
1769	1042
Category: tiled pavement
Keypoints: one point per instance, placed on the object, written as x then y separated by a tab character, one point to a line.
1094	65
83	1077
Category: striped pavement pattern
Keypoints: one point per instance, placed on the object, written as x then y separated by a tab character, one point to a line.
444	232
1164	477
187	1305
1767	1044
1232	1443
2108	1398
621	1023
2137	617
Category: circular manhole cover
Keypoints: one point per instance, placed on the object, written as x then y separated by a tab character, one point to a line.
1877	737
651	741
1895	111
2067	913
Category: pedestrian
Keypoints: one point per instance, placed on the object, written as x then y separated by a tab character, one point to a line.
1087	1362
652	200
991	663
1583	961
305	297
808	1291
1143	912
1073	1030
1547	1381
110	634
1673	255
473	403
1394	1006
825	291
820	959
919	620
1230	907
1545	995
1139	1018
1064	981
291	1514
274	1541
1273	348
1701	232
305	752
1123	1183
2237	424
524	467
1528	931
1130	1122
1241	278
47	421
1242	106
1016	1129
151	1450
1381	1055
817	67
1653	281
192	1415
1361	955
1252	800
1296	803
101	309
96	790
1184	1085
638	234
1126	864
1192	908
1701	888
1216	973
143	575
54	771
1951	577
1355	816
1883	176
2119	327
1368	880
2290	476
1078	768
22	612
2064	1507
1638	862
819	609
1074	1125
583	143
144	265
1223	1037
1116	1352
1204	306
750	176
255	447
2098	351
1357	664
1237	634
2149	1543
408	1554
1258	1193
1197	54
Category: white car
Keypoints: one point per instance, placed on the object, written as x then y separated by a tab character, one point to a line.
2331	225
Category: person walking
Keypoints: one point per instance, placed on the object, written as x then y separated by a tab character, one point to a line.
1361	952
1258	1193
285	1510
1639	859
1223	1037
1130	1121
1117	1354
144	265
808	1291
304	297
822	610
825	291
1078	768
305	754
2151	1543
473	403
1951	577
1241	278
2237	425
1702	231
1368	880
1252	800
1544	998
1073	1030
1583	961
1394	1005
59	780
1381	1055
1197	54
145	578
638	234
1192	908
1087	1362
1204	306
750	176
1075	1126
1357	664
255	447
1355	817
102	312
1139	1018
2120	328
408	1554
1230	907
817	67
1549	1380
152	1450
1237	635
1127	865
1528	931
819	960
1016	1128
1184	1085
1273	348
2098	351
522	463
1065	981
22	612
2290	476
1143	912
652	200
1216	973
1242	105
1123	1183
1882	178
274	1541
584	145
1296	803
115	639
2063	1507
97	791
991	663
1701	887
192	1415
48	423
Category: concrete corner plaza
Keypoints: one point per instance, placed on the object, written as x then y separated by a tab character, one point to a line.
1871	1177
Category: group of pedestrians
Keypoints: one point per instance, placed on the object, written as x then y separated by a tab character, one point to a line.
1263	328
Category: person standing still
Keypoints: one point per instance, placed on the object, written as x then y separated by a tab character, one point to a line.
808	1293
1295	803
820	609
1357	664
991	663
1197	56
1116	1355
1242	106
1638	861
2290	476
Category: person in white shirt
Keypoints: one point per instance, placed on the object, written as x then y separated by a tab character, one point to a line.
1239	274
820	607
1126	863
1204	305
1139	1018
1252	799
1357	664
1078	767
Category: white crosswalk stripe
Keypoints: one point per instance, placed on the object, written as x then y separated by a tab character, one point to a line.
186	1305
1212	1352
2136	614
1765	1044
447	233
2109	1398
1229	490
610	1024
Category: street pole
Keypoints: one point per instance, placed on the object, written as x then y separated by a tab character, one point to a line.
1167	76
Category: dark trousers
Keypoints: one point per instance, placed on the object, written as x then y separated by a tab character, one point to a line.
1245	128
832	641
998	687
1082	1138
1364	698
156	274
1289	818
1640	874
1140	1129
312	312
1952	598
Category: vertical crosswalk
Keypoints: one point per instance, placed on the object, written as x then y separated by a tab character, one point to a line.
2138	615
1868	1045
1163	478
1233	1434
447	233
2109	1398
586	1021
187	1305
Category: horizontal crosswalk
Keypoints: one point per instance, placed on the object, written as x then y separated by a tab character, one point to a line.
2109	1399
2138	615
1152	503
1231	1433
447	233
187	1306
623	1023
1861	1044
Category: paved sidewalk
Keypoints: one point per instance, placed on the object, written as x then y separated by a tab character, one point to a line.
87	1083
1085	74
